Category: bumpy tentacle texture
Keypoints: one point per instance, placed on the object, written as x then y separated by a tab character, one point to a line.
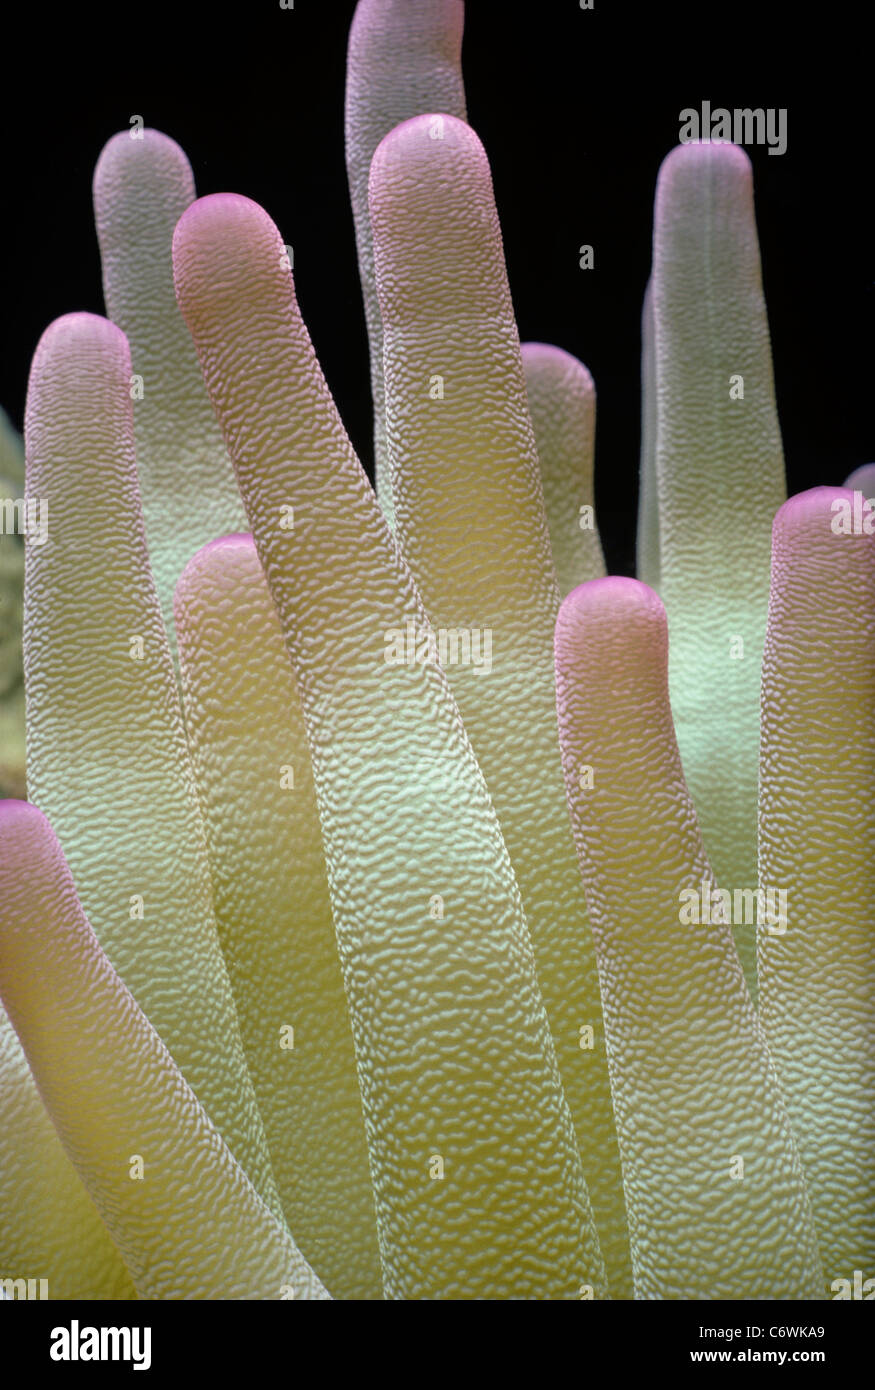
647	539
11	590
817	826
404	58
142	185
477	1180
720	480
249	750
48	1225
469	515
561	400
107	756
192	1225
717	1201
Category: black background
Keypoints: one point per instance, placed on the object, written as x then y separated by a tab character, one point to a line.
205	1340
576	110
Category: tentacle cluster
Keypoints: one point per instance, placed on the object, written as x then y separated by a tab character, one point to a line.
372	927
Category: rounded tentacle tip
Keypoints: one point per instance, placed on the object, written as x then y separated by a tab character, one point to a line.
547	361
863	479
225	211
684	167
15	813
611	634
822	512
411	145
142	145
77	329
71	349
29	851
615	598
221	557
227	230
